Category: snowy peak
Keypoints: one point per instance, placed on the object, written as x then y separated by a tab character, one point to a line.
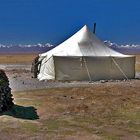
114	45
27	45
36	48
110	44
126	49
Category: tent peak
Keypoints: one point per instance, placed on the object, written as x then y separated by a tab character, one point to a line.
85	27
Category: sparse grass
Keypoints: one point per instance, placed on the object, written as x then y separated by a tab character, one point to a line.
30	127
55	124
103	111
17	58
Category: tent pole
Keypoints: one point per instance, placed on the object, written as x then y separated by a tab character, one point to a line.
94	29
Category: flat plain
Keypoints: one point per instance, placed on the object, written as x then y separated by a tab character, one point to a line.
16	58
96	111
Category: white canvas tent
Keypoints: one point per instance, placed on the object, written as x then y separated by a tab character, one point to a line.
84	57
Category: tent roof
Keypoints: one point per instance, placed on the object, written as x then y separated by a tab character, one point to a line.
83	43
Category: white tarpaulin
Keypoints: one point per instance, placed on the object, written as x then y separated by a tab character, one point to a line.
85	57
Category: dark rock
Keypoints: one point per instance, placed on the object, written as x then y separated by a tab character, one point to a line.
6	100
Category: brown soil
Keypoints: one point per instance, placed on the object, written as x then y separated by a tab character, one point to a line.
72	111
101	111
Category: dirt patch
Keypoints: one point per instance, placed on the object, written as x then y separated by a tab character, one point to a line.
102	111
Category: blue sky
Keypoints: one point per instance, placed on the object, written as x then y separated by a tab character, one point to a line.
33	21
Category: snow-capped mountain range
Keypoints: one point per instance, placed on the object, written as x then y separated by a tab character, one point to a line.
114	45
125	49
37	48
40	48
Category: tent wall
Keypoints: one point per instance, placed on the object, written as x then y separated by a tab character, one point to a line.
47	69
94	68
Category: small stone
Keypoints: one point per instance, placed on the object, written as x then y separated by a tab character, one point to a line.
104	81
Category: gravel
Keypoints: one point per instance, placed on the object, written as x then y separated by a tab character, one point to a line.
21	79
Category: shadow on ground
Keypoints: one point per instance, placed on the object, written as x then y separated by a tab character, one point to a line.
22	112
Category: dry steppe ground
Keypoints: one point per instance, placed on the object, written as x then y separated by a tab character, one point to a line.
16	58
101	111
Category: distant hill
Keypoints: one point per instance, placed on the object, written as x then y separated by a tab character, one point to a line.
21	49
41	48
125	49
